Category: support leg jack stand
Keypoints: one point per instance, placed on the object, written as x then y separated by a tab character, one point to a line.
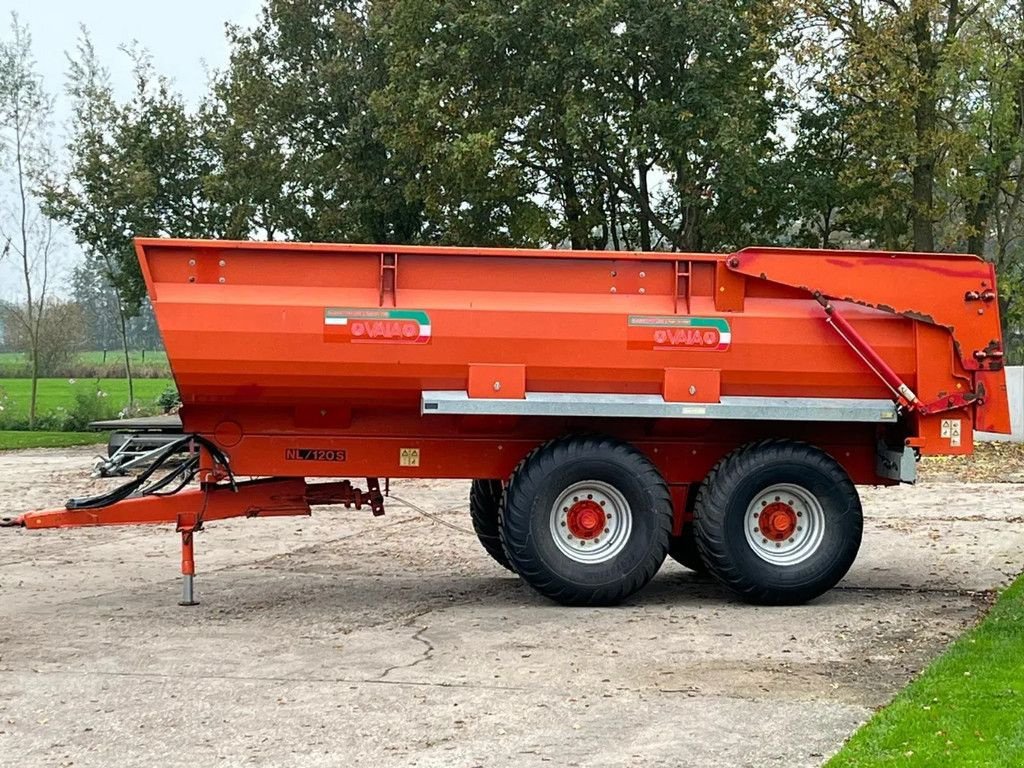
188	570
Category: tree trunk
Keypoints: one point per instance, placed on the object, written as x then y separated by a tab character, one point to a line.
127	357
925	124
977	220
613	220
645	208
35	386
826	226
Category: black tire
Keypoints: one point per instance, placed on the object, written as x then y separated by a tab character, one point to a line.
683	549
636	545
723	505
484	509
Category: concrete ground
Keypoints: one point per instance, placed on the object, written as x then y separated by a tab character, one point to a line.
348	640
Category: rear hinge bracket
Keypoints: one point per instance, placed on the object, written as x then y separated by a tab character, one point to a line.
950	403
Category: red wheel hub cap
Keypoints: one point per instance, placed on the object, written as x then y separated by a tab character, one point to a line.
585	519
777	521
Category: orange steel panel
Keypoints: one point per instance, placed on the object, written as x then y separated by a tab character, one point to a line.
277	345
954	291
730	289
684	385
497	381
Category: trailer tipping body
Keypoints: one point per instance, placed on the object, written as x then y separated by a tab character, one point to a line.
309	360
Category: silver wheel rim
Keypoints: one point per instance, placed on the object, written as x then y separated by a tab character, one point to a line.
575	512
765	530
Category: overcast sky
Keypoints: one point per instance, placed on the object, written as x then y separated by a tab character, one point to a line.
185	38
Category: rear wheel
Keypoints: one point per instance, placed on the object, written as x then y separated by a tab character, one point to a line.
586	520
778	522
484	509
683	549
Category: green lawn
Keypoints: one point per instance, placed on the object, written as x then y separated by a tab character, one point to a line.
54	393
13	440
966	710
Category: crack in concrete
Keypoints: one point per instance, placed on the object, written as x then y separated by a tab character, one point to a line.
427	653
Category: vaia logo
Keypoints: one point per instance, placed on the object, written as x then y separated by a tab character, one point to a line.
670	332
390	326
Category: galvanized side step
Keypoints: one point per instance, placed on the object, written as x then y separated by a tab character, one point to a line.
655	406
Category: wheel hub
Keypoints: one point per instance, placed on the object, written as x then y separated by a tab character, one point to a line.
591	522
777	521
785	524
585	519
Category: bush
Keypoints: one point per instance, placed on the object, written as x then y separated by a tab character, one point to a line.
169	400
89	407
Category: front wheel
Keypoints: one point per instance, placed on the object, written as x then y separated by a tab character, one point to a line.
586	520
778	522
484	510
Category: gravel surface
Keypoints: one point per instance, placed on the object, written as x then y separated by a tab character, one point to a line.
347	640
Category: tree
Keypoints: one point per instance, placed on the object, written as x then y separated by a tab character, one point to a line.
136	169
637	121
28	235
100	306
894	67
298	148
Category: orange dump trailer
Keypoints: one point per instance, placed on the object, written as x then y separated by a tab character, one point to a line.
610	407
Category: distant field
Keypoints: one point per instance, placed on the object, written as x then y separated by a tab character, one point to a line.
137	358
96	357
15	362
14	440
60	393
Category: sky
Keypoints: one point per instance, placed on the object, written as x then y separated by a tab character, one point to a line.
184	37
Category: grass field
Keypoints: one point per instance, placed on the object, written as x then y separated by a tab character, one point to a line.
137	357
966	710
14	440
60	393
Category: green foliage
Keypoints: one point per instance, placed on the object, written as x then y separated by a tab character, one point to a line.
965	710
88	407
298	147
611	124
910	135
136	169
169	399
